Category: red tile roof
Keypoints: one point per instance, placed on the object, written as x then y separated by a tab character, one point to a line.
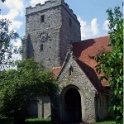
84	50
91	74
56	70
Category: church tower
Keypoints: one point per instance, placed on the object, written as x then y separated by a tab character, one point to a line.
50	29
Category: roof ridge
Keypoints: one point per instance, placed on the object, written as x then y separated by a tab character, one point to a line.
97	37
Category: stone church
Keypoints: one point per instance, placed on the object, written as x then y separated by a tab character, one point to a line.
53	37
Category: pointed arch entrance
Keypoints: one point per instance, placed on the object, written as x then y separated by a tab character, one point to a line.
72	106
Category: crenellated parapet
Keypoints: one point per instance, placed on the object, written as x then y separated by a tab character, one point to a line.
49	4
70	11
41	7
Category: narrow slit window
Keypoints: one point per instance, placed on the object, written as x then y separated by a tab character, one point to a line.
70	70
41	47
42	18
70	22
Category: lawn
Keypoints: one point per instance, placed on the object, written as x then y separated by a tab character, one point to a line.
38	121
106	122
27	121
46	121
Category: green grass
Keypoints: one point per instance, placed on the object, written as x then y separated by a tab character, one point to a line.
106	122
38	121
48	121
45	121
27	121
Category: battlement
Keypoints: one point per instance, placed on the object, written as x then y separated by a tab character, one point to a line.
49	4
66	6
45	6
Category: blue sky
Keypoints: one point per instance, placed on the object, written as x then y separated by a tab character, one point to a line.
91	14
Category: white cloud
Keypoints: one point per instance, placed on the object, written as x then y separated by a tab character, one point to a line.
88	30
15	4
15	25
16	10
12	14
105	25
94	26
17	42
33	2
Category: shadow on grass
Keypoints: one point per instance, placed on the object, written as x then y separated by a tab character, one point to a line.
6	121
38	122
10	122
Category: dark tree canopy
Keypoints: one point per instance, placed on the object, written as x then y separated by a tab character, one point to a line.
18	87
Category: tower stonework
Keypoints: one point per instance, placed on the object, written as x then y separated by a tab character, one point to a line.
50	29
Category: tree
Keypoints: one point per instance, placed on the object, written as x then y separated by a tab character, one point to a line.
111	63
17	87
6	46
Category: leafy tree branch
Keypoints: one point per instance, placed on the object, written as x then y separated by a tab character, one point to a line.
111	63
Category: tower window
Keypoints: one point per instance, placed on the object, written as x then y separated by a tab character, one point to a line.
27	19
42	18
41	47
70	22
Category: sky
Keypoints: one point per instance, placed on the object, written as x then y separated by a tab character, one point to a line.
91	15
